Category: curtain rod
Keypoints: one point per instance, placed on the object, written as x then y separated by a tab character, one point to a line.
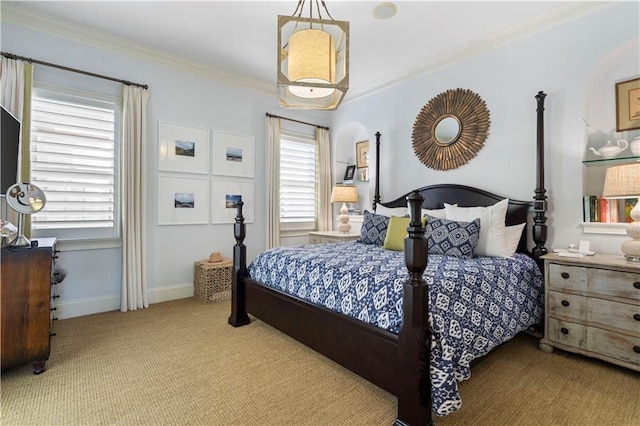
298	121
48	64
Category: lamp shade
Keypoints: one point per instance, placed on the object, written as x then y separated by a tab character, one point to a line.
312	59
622	181
344	194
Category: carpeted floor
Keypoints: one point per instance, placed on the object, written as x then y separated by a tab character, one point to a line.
180	363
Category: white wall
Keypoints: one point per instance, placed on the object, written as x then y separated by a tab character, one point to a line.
93	276
560	62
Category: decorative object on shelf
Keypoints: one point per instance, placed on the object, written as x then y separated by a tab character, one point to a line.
450	129
24	198
610	149
313	59
628	105
344	195
634	146
349	173
364	174
183	148
362	154
623	181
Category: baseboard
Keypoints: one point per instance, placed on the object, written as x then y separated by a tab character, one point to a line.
95	305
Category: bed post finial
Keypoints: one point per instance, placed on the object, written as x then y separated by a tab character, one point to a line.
414	397
540	199
239	315
376	195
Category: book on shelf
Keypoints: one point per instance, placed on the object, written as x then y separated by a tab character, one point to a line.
603	210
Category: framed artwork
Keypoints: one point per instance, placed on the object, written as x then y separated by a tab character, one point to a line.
233	155
628	105
362	154
349	173
225	192
183	200
182	148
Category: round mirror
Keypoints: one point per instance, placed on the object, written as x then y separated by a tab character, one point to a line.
447	130
25	198
450	129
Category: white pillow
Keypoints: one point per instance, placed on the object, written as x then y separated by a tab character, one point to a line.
492	240
388	211
513	234
438	213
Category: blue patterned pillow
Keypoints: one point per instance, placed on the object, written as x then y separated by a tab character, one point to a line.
452	238
374	228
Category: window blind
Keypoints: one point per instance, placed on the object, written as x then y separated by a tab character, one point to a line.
297	180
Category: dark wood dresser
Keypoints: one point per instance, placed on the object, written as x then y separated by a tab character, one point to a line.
26	304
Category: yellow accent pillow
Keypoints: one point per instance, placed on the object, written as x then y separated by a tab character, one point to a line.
396	233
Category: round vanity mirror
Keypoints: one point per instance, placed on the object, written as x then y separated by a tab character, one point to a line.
24	198
450	129
447	130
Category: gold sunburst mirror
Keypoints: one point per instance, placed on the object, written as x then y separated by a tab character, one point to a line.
450	129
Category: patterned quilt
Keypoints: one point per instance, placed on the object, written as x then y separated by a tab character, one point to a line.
475	304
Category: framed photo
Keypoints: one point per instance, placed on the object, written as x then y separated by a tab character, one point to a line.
628	105
225	193
182	148
183	200
349	173
362	154
233	155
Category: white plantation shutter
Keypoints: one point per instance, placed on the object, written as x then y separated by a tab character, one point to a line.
74	161
298	179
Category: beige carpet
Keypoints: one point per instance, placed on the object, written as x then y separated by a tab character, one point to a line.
181	363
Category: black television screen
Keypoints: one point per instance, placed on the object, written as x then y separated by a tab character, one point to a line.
9	139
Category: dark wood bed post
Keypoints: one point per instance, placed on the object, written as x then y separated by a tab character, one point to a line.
239	315
376	196
540	199
414	390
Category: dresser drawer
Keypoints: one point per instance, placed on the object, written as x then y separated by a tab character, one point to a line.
564	277
614	283
566	332
614	314
615	345
566	305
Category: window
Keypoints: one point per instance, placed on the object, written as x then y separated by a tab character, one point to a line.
298	181
74	160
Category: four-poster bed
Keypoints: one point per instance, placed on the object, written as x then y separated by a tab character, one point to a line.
397	361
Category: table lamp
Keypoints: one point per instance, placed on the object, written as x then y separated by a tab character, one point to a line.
623	181
344	194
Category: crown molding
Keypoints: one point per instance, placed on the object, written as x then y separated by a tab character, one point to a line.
12	14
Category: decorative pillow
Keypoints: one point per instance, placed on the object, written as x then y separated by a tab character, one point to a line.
374	228
439	213
512	239
396	233
492	240
451	238
389	211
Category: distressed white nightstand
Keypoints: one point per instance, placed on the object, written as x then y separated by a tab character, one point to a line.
318	237
592	307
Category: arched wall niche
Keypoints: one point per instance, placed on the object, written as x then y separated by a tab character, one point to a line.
344	154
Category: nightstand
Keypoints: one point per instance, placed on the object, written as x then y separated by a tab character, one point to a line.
318	237
592	307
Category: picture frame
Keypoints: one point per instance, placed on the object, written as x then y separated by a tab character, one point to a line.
183	200
183	148
349	173
628	105
225	191
362	154
233	155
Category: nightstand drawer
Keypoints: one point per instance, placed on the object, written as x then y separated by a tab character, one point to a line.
566	305
314	239
619	315
614	283
615	345
564	277
567	333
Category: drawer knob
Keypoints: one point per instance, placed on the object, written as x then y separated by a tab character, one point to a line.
565	275
636	317
636	349
637	285
565	303
564	330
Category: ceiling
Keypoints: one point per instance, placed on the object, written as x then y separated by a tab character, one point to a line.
235	41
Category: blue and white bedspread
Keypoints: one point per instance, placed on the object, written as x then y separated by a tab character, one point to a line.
475	304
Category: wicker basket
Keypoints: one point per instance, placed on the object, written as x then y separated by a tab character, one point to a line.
212	281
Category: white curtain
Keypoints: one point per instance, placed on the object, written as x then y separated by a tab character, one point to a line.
274	128
12	79
325	212
134	293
